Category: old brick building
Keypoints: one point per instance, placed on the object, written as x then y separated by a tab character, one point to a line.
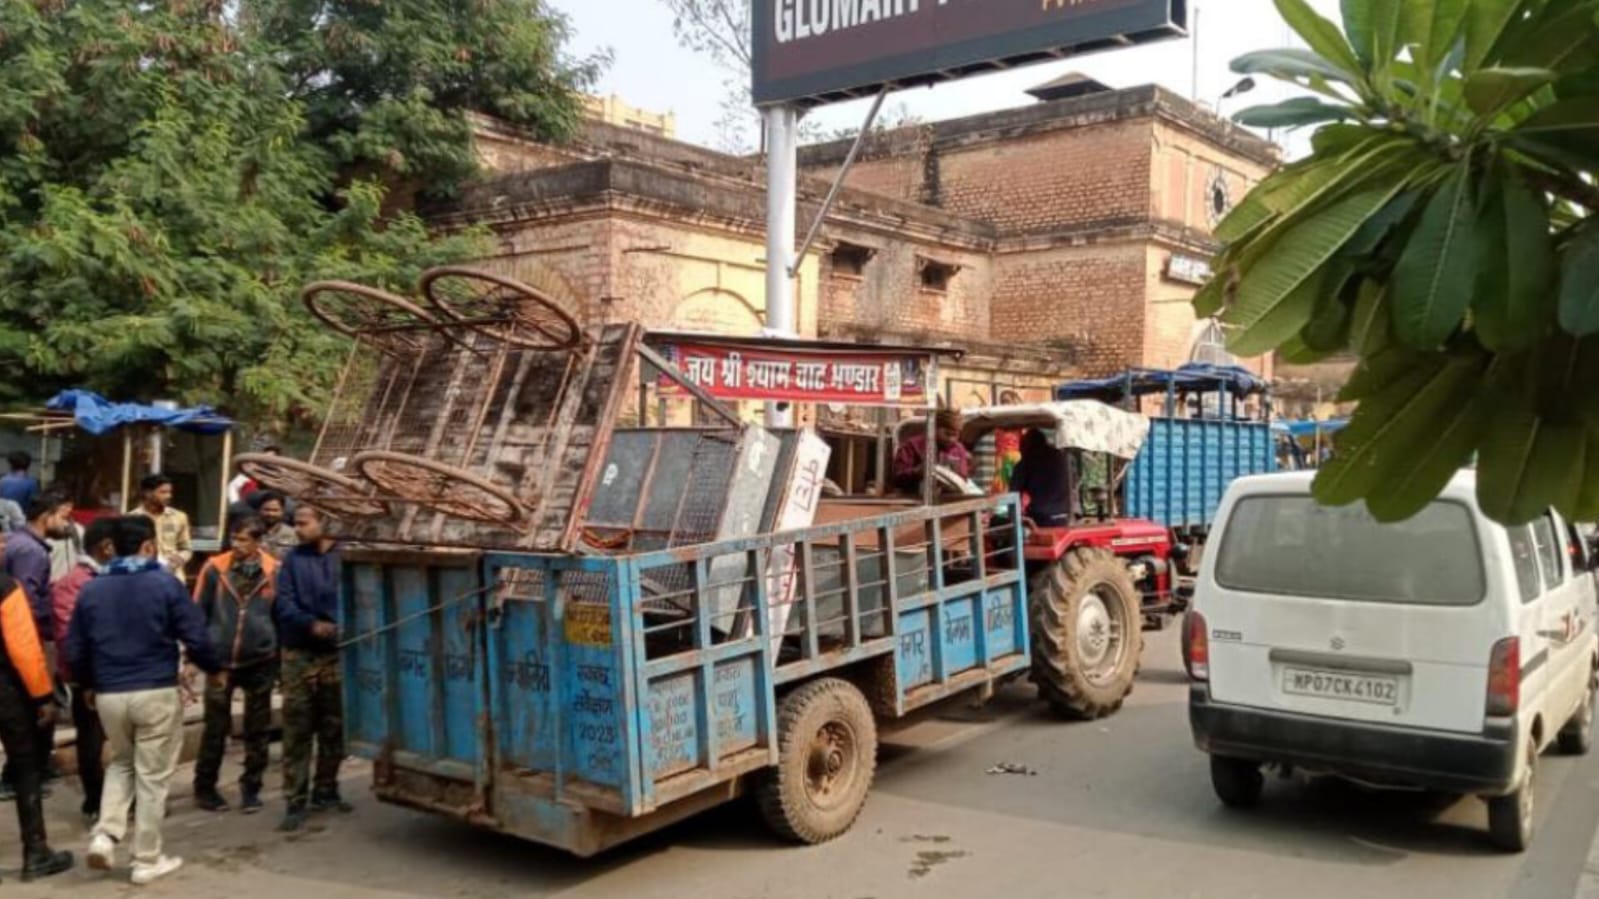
1056	239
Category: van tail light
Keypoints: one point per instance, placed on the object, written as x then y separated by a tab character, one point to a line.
1504	678
1196	647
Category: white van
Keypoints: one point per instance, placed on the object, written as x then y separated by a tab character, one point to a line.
1445	652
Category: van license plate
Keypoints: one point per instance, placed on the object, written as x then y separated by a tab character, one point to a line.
1375	689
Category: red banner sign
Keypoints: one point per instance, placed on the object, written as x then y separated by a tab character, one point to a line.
803	376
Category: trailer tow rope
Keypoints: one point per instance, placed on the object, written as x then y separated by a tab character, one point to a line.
401	622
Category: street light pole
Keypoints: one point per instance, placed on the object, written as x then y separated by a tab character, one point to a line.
782	194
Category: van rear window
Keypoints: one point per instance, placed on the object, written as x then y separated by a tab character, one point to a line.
1293	545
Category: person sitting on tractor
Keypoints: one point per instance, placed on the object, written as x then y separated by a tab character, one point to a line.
1043	477
910	460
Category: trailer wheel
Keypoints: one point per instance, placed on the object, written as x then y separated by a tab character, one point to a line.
826	756
1087	633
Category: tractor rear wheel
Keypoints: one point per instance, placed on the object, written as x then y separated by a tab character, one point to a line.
1087	633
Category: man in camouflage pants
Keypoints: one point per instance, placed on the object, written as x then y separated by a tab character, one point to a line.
307	612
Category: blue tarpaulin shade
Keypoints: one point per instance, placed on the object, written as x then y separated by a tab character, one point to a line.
1309	428
1196	377
98	415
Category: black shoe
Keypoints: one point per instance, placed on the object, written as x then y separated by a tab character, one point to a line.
293	821
250	804
44	863
210	801
331	803
8	793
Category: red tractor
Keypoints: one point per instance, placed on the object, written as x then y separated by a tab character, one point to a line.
1096	580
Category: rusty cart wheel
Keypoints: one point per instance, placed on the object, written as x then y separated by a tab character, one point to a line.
390	324
1087	633
313	485
456	493
502	308
826	757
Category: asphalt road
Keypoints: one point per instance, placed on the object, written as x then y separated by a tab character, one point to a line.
1119	808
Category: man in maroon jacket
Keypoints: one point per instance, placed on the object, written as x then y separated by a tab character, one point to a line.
98	551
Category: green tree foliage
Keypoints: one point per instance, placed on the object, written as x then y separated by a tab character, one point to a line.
172	173
1442	230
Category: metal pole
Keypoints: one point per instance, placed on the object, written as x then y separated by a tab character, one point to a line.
782	192
838	181
227	476
1195	95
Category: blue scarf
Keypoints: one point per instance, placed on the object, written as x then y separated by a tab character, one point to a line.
132	565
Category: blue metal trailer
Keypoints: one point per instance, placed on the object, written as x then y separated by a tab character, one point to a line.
1199	443
580	701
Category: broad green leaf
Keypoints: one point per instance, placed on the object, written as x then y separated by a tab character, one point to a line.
1330	322
1375	371
1284	194
1371	327
1292	114
1373	27
1514	294
1335	140
1584	506
1439	32
1579	284
1290	64
1302	251
1282	322
1433	281
1528	464
1572	125
1559	37
1485	22
1320	34
1410	481
1393	424
1490	91
1295	352
1378	227
1208	301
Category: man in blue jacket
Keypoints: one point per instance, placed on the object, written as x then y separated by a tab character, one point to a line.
307	612
122	646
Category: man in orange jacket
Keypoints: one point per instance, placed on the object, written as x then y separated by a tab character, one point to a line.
26	707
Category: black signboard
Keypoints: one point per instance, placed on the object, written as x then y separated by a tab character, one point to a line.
819	51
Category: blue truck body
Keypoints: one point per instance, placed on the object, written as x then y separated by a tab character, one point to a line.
581	701
1186	463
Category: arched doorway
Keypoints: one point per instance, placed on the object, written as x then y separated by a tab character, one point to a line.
717	311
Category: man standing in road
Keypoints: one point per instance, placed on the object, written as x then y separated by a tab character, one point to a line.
27	561
99	548
235	591
313	702
27	710
18	485
174	544
123	647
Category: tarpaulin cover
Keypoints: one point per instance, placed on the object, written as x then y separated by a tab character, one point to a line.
1309	428
1194	377
1081	424
98	415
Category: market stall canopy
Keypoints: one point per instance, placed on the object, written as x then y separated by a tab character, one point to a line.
1309	428
98	415
1196	377
1076	424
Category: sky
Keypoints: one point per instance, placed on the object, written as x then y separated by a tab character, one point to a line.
650	70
